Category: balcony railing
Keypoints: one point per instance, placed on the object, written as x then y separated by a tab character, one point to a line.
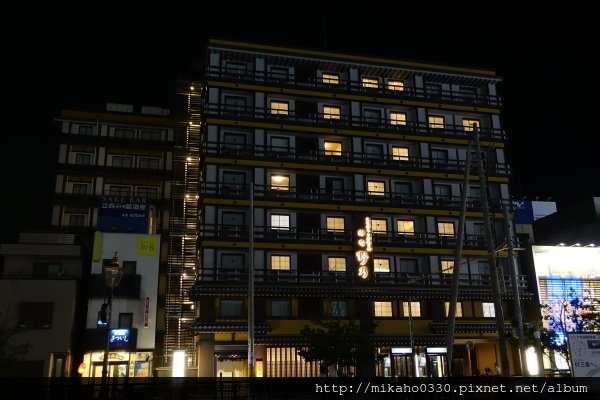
340	85
267	233
406	279
344	158
334	120
391	199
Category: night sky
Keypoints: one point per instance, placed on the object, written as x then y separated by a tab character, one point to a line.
550	78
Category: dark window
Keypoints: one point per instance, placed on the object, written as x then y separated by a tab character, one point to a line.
468	93
232	308
280	144
433	89
87	130
371	116
230	218
280	73
403	188
77	219
439	157
235	103
409	265
232	260
334	185
80	188
149	163
129	267
479	229
234	140
338	308
125	133
36	315
235	68
120	190
126	320
233	179
46	269
150	135
83	159
149	192
443	192
374	151
280	308
122	162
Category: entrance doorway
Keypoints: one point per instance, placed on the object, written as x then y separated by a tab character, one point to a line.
231	367
115	369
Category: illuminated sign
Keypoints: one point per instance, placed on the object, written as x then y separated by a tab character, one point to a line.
127	214
364	250
119	338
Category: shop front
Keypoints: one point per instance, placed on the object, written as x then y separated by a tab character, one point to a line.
121	364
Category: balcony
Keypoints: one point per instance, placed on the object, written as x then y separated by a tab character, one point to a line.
352	197
343	86
129	287
319	156
241	113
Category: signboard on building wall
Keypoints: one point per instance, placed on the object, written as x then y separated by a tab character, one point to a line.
146	312
363	249
123	214
147	246
585	354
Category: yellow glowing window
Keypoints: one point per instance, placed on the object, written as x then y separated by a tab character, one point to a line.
378	225
447	266
331	112
458	313
333	148
331	78
370	82
397	118
279	107
395	85
436	121
337	264
382	264
383	308
280	182
335	224
415	308
406	227
281	263
445	228
488	310
376	188
400	153
469	125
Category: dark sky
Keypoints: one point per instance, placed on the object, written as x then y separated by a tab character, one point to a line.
547	63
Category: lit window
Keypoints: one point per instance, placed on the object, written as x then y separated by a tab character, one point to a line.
395	85
280	308
333	148
400	153
378	225
436	121
280	182
332	112
397	118
383	308
415	308
338	308
280	222
335	224
445	228
406	227
488	310
369	82
382	264
447	266
281	263
459	312
331	78
279	107
469	125
376	188
337	264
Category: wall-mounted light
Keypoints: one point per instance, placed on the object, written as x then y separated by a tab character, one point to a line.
191	88
531	358
178	370
189	159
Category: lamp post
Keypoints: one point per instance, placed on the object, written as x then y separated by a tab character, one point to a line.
113	272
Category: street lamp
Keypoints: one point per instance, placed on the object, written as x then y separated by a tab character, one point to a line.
112	272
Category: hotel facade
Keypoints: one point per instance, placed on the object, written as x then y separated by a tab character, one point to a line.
330	142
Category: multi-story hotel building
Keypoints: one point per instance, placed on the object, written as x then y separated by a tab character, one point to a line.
327	140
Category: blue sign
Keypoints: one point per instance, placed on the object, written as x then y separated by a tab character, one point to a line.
123	214
119	339
523	213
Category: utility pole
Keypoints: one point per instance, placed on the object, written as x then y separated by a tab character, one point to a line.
514	282
251	371
491	254
457	257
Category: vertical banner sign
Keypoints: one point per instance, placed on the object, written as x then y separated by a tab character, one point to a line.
146	312
363	249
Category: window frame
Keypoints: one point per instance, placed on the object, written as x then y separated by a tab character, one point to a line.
379	311
373	183
329	114
279	227
330	78
335	267
279	258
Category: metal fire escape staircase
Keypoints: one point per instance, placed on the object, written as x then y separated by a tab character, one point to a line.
183	226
